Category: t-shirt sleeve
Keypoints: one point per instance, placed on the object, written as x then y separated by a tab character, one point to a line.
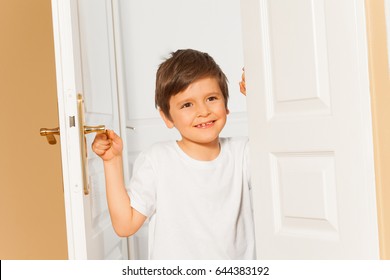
142	187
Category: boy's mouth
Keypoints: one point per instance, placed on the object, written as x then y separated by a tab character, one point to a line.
205	124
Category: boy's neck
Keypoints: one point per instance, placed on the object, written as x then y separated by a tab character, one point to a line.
200	151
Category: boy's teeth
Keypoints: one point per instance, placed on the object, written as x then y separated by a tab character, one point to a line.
204	124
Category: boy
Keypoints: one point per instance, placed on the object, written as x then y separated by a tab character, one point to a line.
195	191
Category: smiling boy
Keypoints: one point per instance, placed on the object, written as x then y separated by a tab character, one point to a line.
199	114
195	191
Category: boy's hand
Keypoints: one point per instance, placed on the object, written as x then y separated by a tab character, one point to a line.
107	145
242	83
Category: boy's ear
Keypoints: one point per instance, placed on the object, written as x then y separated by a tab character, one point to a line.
166	120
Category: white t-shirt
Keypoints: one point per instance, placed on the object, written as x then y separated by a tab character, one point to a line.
197	209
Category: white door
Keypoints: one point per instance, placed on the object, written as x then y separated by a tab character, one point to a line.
85	63
110	48
310	129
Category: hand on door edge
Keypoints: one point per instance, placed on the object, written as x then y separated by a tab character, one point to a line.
242	82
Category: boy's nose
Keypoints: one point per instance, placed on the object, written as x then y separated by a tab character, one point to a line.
203	111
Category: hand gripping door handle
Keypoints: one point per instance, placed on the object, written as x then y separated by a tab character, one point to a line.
84	129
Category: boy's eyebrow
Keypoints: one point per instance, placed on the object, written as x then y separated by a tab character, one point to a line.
215	92
183	101
188	99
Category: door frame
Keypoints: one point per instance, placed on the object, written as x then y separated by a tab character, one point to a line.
380	102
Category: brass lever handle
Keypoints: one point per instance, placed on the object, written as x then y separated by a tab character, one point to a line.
49	133
94	128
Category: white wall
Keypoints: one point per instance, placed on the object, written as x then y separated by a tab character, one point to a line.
151	29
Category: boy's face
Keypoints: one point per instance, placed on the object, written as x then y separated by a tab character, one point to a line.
199	112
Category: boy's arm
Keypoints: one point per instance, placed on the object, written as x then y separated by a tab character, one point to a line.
125	219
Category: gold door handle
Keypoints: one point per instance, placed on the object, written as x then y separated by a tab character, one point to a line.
94	128
49	133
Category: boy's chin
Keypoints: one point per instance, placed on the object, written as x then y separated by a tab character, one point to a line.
201	141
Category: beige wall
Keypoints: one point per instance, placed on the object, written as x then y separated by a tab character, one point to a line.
380	96
32	218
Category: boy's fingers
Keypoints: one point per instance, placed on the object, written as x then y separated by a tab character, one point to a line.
242	88
242	82
101	136
113	136
99	152
102	146
101	142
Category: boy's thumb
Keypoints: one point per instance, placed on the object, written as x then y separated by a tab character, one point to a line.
111	134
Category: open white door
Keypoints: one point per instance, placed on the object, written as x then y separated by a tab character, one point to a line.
85	63
310	129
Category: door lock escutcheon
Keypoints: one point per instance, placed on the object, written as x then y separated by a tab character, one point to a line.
84	129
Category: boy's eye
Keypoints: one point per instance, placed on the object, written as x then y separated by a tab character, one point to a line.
186	105
212	98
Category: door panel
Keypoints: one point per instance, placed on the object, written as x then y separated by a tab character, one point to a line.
85	63
378	12
297	49
101	107
310	129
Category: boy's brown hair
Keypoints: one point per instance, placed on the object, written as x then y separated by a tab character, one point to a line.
180	70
